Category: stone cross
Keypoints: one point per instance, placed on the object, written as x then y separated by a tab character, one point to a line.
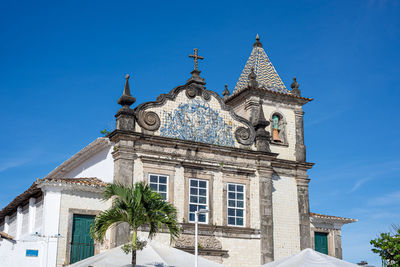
195	58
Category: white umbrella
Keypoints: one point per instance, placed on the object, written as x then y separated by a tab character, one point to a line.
309	258
154	254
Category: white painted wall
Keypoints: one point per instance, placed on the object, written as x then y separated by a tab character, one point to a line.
101	166
51	217
13	254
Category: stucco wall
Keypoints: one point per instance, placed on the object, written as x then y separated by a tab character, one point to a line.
100	165
286	216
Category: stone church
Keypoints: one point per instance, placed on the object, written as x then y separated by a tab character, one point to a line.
242	156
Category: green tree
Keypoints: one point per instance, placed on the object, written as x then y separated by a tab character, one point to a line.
136	205
387	245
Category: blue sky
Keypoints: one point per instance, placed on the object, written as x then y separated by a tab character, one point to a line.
62	68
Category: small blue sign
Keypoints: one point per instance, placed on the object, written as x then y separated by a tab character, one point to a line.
32	253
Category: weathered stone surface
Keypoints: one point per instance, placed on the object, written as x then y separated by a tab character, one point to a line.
266	215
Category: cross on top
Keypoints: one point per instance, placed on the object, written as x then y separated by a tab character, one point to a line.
195	58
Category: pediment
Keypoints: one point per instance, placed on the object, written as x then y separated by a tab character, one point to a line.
192	113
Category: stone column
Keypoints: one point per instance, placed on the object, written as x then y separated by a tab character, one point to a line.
304	211
300	147
266	219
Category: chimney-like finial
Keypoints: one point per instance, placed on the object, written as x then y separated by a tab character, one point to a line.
257	43
126	99
262	136
295	88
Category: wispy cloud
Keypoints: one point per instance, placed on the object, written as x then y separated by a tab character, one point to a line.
12	163
389	199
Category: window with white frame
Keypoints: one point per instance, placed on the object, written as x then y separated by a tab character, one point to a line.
236	205
159	183
198	199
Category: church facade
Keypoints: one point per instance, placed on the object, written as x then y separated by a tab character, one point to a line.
241	156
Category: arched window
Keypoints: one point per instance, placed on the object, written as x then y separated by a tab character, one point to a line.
278	128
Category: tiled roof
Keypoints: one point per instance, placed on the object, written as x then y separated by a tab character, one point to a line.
77	181
20	200
322	216
35	191
267	76
6	236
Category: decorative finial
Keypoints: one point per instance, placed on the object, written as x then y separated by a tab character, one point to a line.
262	136
257	43
126	99
253	79
195	58
226	92
295	88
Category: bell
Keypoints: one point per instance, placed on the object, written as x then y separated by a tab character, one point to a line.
275	135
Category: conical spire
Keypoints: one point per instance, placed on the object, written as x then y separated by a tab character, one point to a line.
126	99
267	77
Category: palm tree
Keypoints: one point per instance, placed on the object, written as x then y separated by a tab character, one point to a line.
138	206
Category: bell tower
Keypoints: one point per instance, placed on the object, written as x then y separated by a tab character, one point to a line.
283	108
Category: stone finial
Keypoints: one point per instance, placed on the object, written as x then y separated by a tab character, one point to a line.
295	88
257	42
125	115
126	99
226	92
253	79
262	136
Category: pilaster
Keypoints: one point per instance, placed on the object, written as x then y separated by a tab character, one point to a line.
6	224
337	236
304	210
124	161
300	147
32	214
266	214
19	222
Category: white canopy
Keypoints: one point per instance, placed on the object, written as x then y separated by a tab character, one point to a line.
154	254
309	258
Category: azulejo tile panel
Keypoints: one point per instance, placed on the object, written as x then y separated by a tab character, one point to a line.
196	121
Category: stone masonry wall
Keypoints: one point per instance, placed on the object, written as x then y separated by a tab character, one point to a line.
81	203
286	216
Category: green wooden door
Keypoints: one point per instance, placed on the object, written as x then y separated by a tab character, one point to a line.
321	242
82	245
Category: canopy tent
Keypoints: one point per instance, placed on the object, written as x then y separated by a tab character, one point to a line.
309	258
154	254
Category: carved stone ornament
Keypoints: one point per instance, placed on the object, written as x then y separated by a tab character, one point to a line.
149	120
243	136
191	92
205	242
206	95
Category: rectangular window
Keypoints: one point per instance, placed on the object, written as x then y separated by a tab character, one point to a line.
198	199
236	205
159	184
